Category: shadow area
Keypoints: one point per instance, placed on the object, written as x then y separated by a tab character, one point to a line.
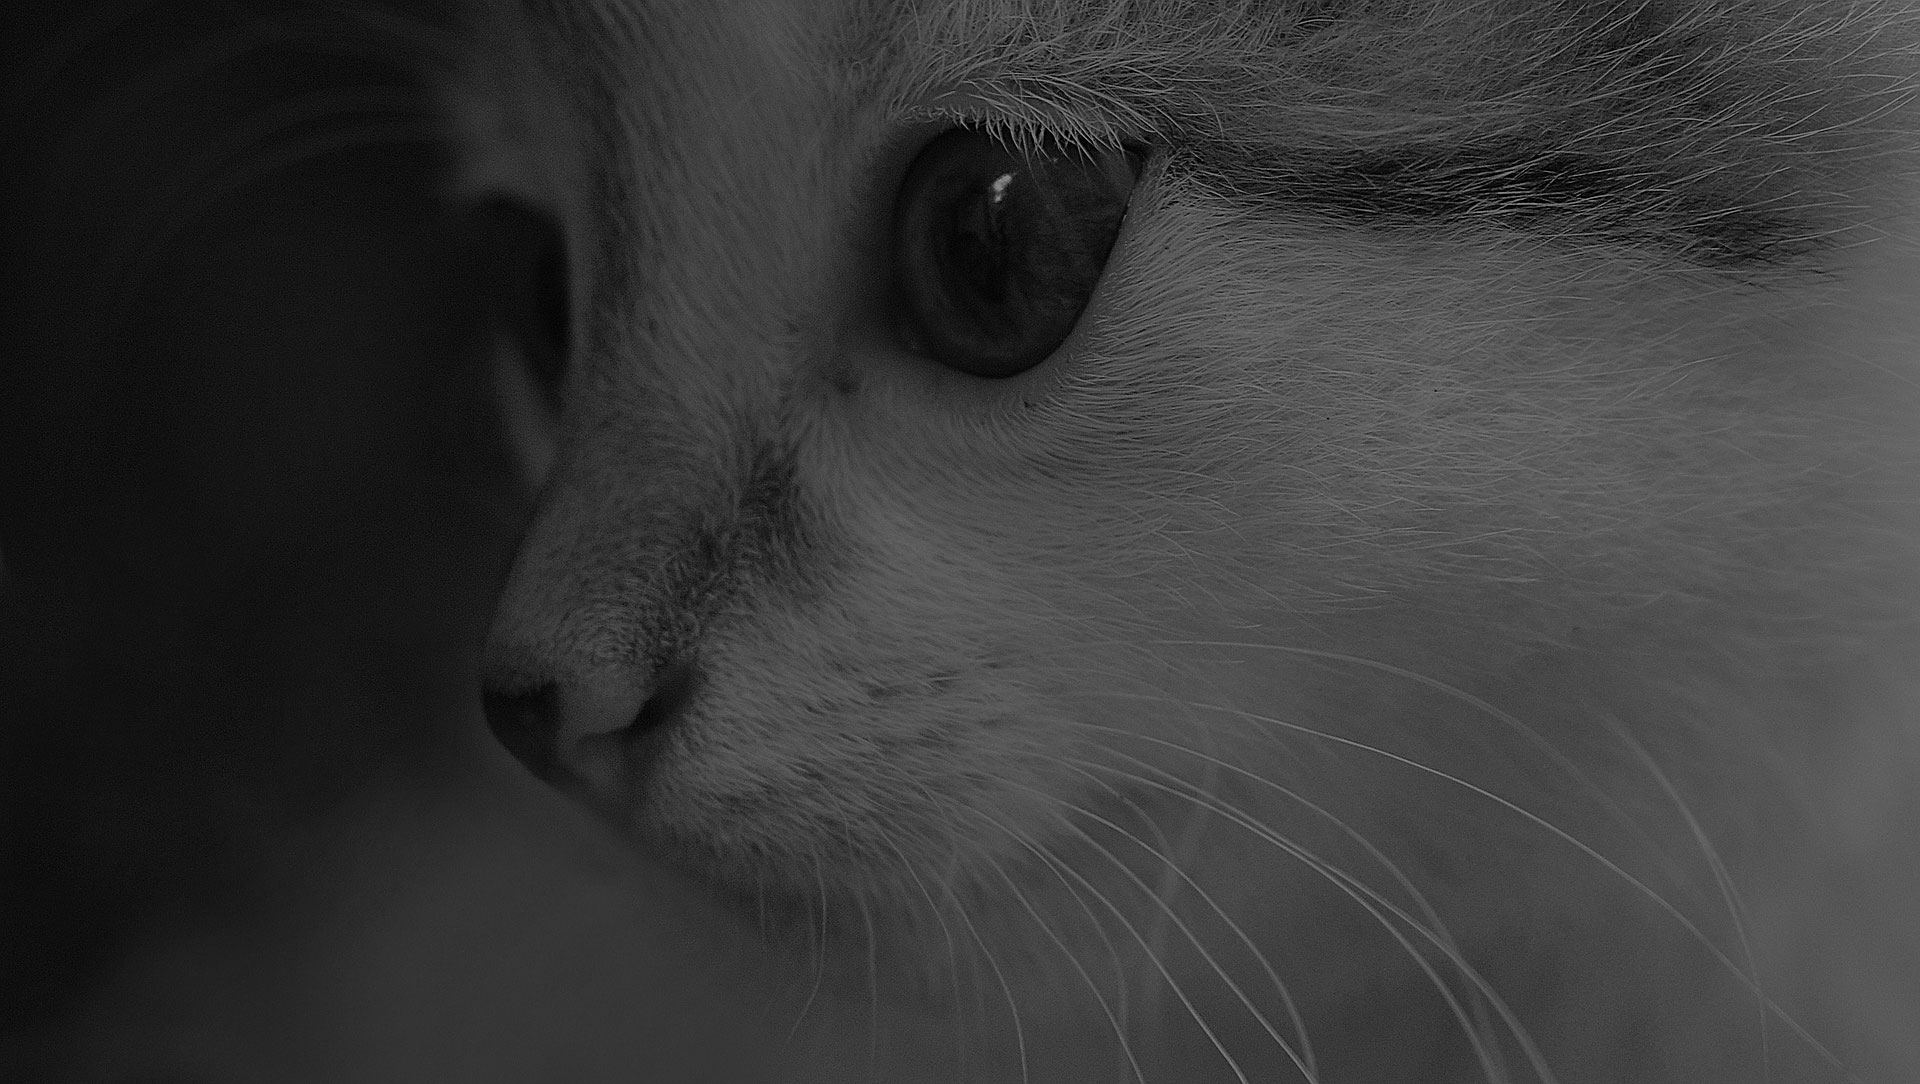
253	511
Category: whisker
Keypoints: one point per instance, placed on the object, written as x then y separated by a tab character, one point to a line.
1667	907
1421	903
1169	882
1305	1048
819	955
1119	1015
1214	764
1006	990
1723	880
1512	722
1608	864
1380	908
946	933
1185	930
1060	942
873	989
1055	864
1152	956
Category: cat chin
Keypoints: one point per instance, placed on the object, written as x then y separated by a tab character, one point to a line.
844	937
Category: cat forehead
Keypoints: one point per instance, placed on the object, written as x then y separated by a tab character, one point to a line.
1169	67
1737	130
1307	72
1439	108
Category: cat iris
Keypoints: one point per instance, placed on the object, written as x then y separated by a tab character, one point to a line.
997	249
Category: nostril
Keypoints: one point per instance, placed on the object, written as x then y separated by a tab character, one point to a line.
557	729
527	724
678	685
580	728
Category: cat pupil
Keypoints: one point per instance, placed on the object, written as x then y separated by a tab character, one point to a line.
998	251
980	238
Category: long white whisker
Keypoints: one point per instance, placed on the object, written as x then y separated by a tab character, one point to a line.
1729	891
1688	925
1185	931
1113	1021
873	990
819	955
1393	870
1153	957
1453	692
1215	763
1006	990
946	933
1171	874
1380	908
1508	804
1118	1016
1305	1047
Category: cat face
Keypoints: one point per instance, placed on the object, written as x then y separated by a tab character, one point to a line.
1133	483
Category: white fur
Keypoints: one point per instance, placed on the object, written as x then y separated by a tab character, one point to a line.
1504	624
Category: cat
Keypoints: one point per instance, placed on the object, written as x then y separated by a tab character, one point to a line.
1346	540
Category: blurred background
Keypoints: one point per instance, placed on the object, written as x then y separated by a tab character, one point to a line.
253	509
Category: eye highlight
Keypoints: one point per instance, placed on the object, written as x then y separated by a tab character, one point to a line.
997	250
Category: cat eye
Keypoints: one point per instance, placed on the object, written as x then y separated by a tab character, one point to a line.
997	249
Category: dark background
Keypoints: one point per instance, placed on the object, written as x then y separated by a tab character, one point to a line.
252	514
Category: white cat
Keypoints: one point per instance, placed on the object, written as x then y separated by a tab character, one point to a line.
1180	542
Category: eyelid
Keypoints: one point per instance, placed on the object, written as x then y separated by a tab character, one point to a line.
911	131
1028	126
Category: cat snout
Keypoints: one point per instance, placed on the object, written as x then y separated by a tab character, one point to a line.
590	728
526	724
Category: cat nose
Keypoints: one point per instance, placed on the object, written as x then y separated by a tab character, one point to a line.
585	727
547	726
